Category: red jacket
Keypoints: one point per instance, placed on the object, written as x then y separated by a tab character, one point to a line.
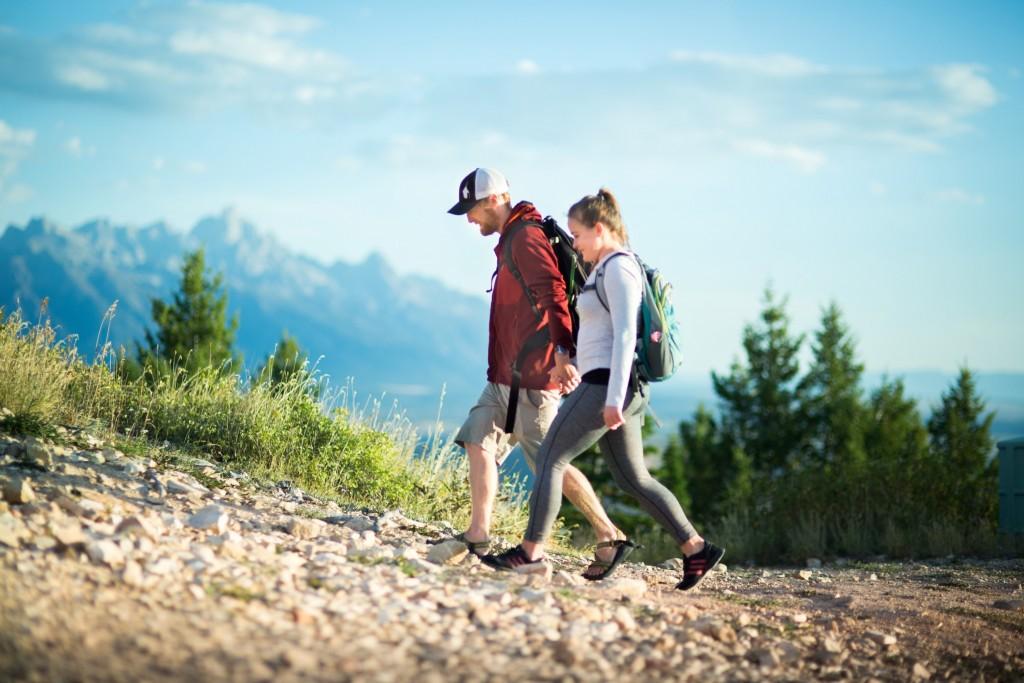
512	318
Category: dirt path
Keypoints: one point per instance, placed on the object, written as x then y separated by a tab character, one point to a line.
110	574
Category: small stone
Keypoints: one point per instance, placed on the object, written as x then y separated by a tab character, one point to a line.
182	488
67	532
673	563
721	568
18	491
805	574
361	524
105	552
303	528
766	657
627	588
44	543
715	628
210	518
39	455
136	525
12	530
132	574
564	578
447	552
873	577
883	639
1014	605
920	672
813	563
799	618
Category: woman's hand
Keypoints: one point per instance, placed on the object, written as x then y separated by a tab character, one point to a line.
565	374
613	417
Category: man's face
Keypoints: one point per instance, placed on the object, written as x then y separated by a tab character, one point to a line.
485	216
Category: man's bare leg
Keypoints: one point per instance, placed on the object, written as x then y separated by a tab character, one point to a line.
483	487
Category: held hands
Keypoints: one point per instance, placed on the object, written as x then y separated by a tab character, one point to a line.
613	417
565	374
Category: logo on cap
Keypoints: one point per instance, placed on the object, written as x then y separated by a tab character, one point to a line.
465	192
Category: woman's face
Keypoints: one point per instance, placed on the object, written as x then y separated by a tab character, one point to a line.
586	240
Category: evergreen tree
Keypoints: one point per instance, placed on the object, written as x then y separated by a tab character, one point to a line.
287	362
761	400
961	444
893	430
192	330
832	402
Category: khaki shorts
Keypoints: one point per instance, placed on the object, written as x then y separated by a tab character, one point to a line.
486	421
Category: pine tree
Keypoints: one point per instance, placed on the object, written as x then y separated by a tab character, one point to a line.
761	400
961	445
832	401
894	431
288	362
192	331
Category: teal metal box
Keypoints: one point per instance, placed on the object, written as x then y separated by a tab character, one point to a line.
1011	486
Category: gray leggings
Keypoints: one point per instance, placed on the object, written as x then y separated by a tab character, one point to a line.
578	426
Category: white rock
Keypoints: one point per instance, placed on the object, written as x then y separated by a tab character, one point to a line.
132	574
137	525
12	530
627	588
301	527
883	639
447	552
105	552
18	491
805	574
38	454
68	532
211	518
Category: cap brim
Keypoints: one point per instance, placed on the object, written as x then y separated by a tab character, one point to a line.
462	207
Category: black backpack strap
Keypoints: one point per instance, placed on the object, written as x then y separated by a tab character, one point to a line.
536	341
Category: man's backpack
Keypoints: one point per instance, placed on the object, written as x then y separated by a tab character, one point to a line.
573	275
658	349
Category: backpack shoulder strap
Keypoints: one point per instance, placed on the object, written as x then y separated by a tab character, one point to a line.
599	280
510	263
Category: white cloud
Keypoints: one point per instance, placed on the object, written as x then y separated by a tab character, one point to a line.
958	195
18	193
806	160
913	143
15	146
965	85
195	55
83	78
14	137
158	163
527	67
878	188
777	65
195	167
74	146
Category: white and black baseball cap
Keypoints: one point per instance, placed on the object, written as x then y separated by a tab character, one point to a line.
481	183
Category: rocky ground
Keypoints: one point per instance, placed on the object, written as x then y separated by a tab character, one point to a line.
118	568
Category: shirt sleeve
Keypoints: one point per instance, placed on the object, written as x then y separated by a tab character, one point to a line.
623	288
537	264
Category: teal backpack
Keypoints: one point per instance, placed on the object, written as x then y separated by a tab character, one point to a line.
658	350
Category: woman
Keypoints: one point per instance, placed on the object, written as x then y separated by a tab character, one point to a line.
607	408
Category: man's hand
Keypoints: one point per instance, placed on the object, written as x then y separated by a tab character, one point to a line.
613	417
565	373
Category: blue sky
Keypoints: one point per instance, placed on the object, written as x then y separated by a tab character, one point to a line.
864	152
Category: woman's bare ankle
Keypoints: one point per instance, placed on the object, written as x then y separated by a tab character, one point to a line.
694	545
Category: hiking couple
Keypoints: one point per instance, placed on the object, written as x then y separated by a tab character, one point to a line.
530	361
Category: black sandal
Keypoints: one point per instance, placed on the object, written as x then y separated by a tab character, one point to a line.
623	547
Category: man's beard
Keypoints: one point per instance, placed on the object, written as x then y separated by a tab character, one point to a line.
490	224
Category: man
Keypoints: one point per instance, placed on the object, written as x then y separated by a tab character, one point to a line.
518	318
